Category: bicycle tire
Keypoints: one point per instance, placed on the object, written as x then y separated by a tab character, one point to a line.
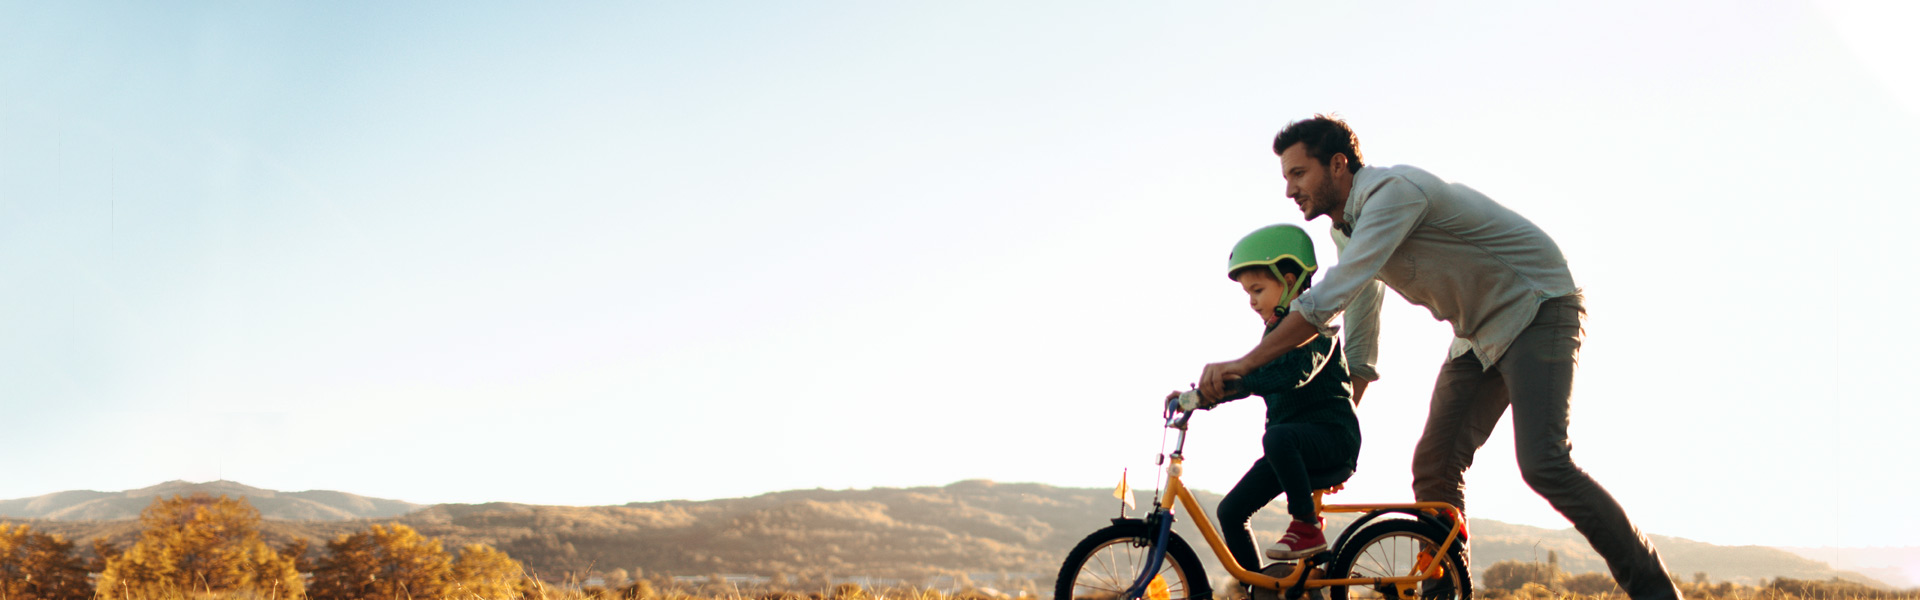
1390	548
1107	562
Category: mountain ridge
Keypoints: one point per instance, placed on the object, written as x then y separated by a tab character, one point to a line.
976	527
309	505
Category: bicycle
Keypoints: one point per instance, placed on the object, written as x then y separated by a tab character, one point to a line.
1389	558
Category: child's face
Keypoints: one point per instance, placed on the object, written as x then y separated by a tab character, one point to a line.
1264	292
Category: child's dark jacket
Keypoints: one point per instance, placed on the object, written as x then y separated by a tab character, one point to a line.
1307	385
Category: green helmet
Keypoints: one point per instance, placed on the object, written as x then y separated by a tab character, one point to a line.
1268	246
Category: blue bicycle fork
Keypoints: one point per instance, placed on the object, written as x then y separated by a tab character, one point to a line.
1163	521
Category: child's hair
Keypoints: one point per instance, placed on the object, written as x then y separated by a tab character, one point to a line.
1284	266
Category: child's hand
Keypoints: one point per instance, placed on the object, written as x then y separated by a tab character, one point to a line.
1192	400
1188	400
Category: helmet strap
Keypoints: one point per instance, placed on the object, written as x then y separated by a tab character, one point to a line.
1293	291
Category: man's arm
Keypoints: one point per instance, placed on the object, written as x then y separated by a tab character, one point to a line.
1393	210
1361	328
1293	332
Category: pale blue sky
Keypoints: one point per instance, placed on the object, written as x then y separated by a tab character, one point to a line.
599	253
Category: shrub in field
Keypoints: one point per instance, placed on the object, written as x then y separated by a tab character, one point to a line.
382	562
640	589
481	571
1590	584
38	566
1834	588
199	543
395	561
1512	575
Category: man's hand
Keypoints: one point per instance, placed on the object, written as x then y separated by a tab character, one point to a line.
1359	389
1217	378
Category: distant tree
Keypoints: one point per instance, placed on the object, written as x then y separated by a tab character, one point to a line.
1512	575
103	551
296	551
202	544
1700	577
1553	571
39	566
382	563
488	573
1590	584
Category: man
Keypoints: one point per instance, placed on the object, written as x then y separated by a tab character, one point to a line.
1505	288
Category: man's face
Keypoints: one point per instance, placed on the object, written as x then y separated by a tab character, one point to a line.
1313	186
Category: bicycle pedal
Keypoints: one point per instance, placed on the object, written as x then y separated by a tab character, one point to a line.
1283	570
1279	570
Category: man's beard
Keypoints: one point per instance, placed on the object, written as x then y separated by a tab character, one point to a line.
1323	203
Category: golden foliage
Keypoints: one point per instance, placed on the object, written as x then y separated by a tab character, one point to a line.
1590	584
381	563
1514	575
484	572
38	566
395	561
199	543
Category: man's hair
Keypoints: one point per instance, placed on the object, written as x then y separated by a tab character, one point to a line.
1324	136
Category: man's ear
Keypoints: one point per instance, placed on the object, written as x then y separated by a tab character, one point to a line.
1338	162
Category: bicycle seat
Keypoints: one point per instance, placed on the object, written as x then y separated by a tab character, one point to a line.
1327	478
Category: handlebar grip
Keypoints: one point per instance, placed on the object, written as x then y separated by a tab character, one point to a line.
1189	398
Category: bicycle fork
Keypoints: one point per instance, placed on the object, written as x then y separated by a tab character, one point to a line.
1162	523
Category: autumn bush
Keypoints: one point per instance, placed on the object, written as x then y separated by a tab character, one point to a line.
207	548
394	561
198	543
38	566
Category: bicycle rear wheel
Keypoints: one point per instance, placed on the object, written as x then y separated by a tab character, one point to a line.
1392	548
1106	563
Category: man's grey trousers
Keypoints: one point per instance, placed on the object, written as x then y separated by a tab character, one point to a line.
1535	376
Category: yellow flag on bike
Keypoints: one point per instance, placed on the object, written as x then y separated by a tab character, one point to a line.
1122	492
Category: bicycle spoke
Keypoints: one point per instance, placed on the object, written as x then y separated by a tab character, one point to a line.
1110	569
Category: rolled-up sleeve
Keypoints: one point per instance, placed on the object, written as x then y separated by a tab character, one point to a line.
1387	216
1362	324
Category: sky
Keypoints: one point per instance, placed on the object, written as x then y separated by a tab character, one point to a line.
598	253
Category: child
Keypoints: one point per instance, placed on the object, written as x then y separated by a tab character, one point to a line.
1313	438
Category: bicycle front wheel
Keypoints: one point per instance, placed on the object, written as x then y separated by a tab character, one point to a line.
1394	548
1106	563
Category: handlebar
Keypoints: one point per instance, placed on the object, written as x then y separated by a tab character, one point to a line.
1176	417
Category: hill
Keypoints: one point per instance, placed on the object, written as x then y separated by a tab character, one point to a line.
1897	566
314	505
985	531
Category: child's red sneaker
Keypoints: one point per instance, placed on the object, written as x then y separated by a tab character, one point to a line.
1302	540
